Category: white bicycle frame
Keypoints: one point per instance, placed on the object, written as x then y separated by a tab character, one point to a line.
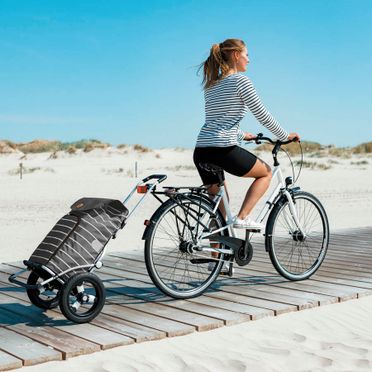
279	190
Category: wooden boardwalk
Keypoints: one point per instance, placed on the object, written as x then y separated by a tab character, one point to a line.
135	311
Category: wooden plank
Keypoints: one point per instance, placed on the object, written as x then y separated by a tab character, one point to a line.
134	331
26	320
138	332
342	292
214	315
150	292
200	322
263	268
275	306
215	304
104	338
66	343
354	281
8	362
25	349
217	317
266	303
170	327
333	253
303	300
330	275
289	297
138	280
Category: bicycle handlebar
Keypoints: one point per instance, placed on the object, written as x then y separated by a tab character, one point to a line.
277	144
260	137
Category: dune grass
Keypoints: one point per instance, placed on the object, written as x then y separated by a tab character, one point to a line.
28	170
316	150
312	165
363	148
310	148
7	147
39	146
294	148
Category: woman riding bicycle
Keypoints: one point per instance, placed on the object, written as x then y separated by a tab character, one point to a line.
228	96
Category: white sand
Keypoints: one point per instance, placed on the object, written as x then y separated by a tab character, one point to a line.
335	337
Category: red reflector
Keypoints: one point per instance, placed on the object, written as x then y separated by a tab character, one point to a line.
142	189
146	222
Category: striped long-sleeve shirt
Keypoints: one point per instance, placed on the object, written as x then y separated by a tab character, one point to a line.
226	103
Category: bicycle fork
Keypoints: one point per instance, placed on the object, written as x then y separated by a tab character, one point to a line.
294	215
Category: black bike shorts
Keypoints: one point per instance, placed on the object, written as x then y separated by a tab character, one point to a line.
232	159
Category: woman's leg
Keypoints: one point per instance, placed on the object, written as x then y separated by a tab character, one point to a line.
262	174
213	190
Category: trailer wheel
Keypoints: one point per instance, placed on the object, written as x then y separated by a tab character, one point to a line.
82	297
47	298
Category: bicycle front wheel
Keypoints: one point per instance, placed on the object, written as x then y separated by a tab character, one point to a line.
180	262
296	256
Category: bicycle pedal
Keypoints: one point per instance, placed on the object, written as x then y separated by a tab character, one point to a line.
226	273
254	230
229	272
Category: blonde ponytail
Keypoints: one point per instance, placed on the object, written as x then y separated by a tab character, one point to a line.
216	66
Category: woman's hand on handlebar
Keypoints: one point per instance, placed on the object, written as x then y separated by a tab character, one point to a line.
294	137
249	136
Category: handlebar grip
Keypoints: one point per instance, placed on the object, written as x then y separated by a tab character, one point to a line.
159	177
290	141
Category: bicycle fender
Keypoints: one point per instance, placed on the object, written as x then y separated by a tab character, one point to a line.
146	233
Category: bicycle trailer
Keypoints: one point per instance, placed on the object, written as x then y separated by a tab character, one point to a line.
62	264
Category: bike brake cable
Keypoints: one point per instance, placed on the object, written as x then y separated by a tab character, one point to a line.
295	179
302	161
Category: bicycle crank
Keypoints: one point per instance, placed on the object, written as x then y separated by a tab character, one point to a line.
244	254
243	250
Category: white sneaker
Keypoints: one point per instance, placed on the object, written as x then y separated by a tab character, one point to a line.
247	224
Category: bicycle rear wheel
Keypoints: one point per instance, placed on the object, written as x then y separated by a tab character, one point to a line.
294	256
174	255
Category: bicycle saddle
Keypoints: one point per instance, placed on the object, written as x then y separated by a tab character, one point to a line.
209	167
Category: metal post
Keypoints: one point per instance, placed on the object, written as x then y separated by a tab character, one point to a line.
20	170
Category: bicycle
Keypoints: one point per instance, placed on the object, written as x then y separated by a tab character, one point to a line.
187	240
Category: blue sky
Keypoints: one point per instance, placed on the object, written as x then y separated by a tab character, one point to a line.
125	71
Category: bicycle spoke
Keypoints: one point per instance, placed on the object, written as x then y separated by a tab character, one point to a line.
293	253
174	258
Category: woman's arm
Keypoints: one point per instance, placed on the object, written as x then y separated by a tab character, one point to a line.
248	94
